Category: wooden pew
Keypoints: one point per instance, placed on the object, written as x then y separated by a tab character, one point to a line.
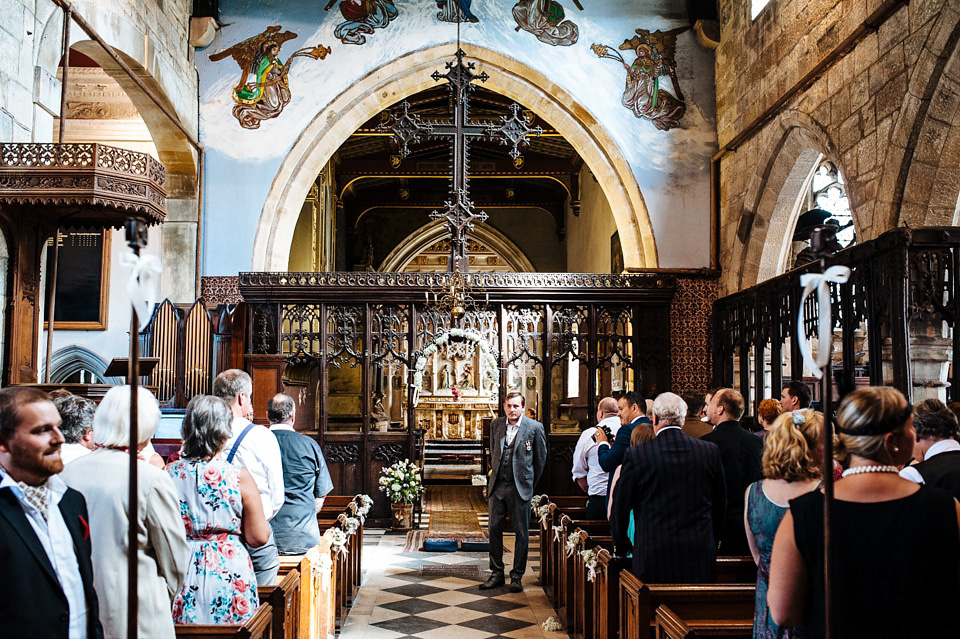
606	594
736	570
583	604
566	522
566	602
317	593
639	601
284	598
548	559
670	626
258	627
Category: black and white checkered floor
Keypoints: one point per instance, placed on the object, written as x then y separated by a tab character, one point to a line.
436	596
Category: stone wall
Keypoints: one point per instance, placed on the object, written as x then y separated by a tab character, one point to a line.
885	108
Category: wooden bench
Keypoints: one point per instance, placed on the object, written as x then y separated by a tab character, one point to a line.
284	598
606	594
736	570
639	602
258	627
670	626
547	554
583	604
565	582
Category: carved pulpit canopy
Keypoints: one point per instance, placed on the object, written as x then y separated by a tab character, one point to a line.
93	184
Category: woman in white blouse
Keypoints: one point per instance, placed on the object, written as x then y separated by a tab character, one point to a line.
102	478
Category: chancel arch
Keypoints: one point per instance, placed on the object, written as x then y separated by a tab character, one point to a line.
410	74
495	251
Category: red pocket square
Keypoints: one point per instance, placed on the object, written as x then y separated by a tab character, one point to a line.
86	527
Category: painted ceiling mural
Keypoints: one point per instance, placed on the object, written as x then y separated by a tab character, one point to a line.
293	57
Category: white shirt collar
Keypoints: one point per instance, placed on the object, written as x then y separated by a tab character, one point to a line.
669	427
282	427
942	446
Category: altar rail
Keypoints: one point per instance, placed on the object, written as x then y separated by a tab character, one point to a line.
894	320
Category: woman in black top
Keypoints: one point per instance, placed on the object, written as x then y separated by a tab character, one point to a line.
896	543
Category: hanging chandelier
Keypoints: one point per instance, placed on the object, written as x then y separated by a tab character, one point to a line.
456	297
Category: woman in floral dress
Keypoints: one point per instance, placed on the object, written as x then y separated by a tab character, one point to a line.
218	503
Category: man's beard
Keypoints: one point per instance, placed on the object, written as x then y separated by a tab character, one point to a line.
36	462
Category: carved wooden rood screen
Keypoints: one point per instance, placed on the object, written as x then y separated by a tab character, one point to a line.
894	321
363	354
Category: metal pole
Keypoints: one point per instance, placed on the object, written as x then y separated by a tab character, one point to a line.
51	304
136	238
823	242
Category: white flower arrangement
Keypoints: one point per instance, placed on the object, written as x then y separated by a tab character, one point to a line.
349	524
543	512
590	561
557	531
402	482
366	502
573	540
443	338
551	625
338	541
536	500
320	563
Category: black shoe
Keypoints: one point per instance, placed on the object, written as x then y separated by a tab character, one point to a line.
516	585
495	581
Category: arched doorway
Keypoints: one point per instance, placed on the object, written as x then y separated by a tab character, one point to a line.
411	74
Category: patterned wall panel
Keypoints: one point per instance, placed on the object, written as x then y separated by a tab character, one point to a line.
221	289
691	338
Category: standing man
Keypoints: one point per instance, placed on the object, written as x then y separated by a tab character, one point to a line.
692	424
256	449
586	466
795	396
631	407
47	588
306	480
674	487
740	452
518	453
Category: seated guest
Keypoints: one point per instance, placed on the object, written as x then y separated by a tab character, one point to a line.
692	424
218	502
102	477
587	473
937	451
47	587
767	412
306	480
791	468
76	414
673	485
887	531
740	452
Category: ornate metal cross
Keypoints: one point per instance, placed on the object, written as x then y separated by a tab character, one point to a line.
510	131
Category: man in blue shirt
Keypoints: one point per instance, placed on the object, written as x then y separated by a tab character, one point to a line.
306	480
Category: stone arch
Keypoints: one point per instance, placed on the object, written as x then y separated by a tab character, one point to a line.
920	184
68	360
426	235
770	204
410	74
173	149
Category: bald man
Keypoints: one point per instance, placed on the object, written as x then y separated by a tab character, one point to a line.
587	472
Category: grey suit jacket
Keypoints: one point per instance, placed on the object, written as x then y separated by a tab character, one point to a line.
529	454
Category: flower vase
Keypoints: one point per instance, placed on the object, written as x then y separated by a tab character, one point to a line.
402	516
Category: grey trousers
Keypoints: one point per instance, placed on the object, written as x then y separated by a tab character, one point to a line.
503	500
266	561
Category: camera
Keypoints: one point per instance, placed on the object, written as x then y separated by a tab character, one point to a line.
606	431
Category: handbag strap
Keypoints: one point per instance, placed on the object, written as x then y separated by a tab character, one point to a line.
236	444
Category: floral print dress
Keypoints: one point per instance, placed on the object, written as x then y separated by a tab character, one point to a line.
220	586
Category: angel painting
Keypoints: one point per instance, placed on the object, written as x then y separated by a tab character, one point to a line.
455	11
654	65
362	17
265	95
545	19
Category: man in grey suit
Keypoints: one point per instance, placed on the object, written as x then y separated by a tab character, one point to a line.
518	452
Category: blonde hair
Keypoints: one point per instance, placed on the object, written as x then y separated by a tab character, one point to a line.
790	450
863	408
641	433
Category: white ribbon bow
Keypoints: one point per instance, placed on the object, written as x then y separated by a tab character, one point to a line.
143	285
820	282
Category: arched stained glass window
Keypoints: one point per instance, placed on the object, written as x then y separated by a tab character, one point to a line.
829	193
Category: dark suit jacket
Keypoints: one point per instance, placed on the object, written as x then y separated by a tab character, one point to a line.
32	603
674	486
529	454
612	456
740	452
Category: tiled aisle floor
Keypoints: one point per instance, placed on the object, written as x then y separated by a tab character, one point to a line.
435	596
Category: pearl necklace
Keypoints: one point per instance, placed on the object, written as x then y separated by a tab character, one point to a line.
857	470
